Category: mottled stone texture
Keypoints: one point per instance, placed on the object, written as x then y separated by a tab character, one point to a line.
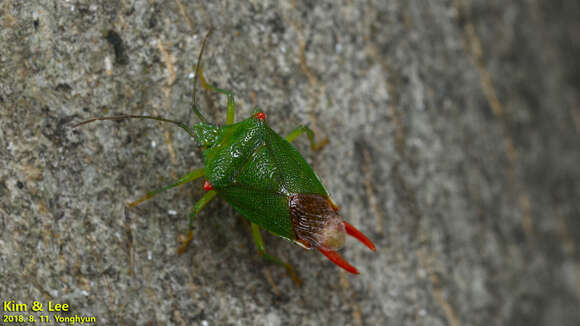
454	132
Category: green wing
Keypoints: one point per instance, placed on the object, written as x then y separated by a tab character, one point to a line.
296	175
267	209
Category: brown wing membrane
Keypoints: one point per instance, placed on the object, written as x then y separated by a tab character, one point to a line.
317	224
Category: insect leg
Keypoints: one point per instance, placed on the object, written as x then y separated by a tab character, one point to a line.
304	129
183	180
199	205
262	251
231	104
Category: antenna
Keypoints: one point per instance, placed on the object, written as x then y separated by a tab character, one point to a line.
197	72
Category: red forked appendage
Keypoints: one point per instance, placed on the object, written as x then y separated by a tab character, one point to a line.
335	258
352	231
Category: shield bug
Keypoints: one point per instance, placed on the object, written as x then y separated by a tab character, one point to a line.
264	178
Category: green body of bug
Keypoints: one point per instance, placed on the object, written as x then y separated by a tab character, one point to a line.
266	180
256	170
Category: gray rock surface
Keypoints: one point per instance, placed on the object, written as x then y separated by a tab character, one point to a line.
454	144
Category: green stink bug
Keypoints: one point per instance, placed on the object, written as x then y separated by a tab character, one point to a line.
264	178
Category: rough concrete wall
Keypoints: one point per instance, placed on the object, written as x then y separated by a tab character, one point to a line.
454	130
